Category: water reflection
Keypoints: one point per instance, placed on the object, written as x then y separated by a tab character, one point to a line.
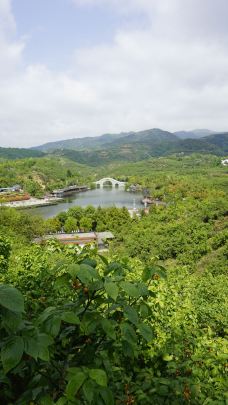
104	197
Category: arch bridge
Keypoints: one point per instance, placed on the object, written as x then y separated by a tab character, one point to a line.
106	181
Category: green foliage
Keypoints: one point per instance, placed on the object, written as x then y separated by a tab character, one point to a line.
33	188
144	324
40	175
5	251
16	153
70	225
102	335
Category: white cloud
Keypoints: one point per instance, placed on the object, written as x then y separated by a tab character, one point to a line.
171	75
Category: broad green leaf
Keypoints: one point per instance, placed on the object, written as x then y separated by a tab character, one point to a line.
130	289
88	390
128	349
70	317
143	290
99	376
107	396
52	325
37	346
75	384
44	354
149	272
12	352
11	298
90	262
31	346
114	267
11	320
109	328
131	315
73	270
111	289
128	333
144	310
145	331
85	273
104	259
46	314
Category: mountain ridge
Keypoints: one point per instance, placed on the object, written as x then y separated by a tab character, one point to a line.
97	142
127	146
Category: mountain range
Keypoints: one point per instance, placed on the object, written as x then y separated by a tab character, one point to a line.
107	140
128	146
135	146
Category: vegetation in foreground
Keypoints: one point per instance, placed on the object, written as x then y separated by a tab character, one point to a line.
146	323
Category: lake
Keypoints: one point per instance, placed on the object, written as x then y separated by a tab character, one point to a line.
103	197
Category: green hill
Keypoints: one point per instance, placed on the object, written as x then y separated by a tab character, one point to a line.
129	147
40	175
19	153
146	144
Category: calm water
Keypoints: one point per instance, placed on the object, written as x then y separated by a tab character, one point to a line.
106	197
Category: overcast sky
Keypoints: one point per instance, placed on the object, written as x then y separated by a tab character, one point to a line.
73	68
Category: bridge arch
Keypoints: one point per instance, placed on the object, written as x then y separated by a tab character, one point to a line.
109	181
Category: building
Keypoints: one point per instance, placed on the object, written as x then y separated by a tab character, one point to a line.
12	189
98	239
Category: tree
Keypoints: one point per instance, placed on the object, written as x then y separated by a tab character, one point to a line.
85	224
53	225
75	212
69	173
70	225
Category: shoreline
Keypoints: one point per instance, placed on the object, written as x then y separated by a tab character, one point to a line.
32	203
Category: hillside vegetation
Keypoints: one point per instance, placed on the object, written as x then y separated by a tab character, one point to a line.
40	175
141	146
131	147
98	142
19	153
143	323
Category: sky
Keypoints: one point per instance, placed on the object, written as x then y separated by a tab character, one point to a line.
75	68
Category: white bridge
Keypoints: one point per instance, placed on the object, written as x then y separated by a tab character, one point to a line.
107	181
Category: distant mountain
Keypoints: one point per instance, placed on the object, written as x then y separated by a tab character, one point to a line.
95	142
19	153
219	140
104	141
195	134
128	146
146	144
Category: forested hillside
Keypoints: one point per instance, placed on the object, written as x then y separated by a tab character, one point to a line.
98	142
141	146
130	147
136	146
143	323
40	175
19	153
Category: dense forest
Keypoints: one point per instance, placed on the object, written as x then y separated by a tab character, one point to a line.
142	323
